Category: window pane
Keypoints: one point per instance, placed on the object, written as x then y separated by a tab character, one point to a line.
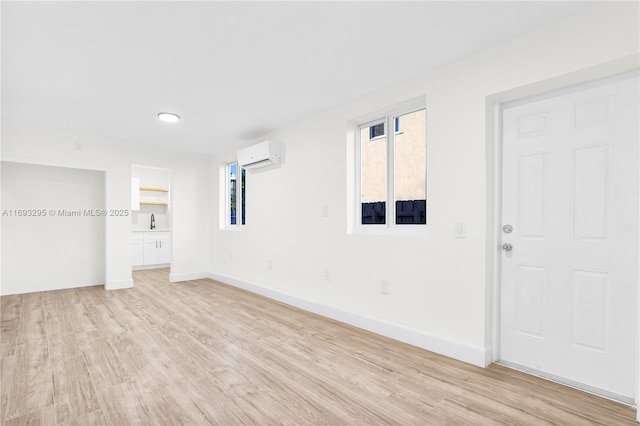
244	192
373	176
376	131
410	168
232	194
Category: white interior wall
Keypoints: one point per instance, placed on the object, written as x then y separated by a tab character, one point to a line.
46	246
141	219
190	194
439	286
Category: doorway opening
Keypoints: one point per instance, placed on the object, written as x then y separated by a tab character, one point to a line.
151	217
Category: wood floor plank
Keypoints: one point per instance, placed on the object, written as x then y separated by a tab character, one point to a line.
32	301
201	352
165	408
9	331
43	417
89	419
7	363
32	326
74	393
554	402
58	315
10	306
123	405
103	362
31	385
217	404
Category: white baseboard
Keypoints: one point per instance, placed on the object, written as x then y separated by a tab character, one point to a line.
59	285
176	278
458	350
147	267
119	284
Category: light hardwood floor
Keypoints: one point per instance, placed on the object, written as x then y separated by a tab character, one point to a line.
201	352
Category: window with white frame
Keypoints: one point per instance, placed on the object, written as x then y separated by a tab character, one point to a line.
236	195
391	170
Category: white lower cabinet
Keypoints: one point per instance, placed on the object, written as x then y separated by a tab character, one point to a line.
151	248
164	249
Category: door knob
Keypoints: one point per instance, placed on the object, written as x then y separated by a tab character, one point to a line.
507	247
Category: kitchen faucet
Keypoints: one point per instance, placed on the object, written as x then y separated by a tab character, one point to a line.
153	221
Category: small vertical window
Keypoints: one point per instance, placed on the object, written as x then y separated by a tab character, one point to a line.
410	169
392	170
243	196
236	198
373	174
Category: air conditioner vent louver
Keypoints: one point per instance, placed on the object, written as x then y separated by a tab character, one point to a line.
261	163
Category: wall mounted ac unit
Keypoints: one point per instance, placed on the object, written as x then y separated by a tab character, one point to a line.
260	155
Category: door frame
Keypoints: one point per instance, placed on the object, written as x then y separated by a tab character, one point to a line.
494	106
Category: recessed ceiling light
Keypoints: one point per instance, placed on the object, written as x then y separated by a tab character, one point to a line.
169	117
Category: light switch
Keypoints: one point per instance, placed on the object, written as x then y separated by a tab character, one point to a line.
460	230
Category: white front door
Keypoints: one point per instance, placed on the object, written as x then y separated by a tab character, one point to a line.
570	260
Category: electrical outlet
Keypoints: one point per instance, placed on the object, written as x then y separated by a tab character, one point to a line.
230	256
384	287
269	264
77	146
325	210
327	275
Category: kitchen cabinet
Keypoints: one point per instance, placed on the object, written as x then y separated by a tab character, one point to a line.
151	248
156	248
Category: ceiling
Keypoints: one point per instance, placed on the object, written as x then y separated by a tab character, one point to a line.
234	71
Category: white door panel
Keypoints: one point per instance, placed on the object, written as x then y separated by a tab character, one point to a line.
570	192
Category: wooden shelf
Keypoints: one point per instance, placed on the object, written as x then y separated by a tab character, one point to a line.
154	203
148	188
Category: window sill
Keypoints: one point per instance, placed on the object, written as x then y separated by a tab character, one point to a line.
395	231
